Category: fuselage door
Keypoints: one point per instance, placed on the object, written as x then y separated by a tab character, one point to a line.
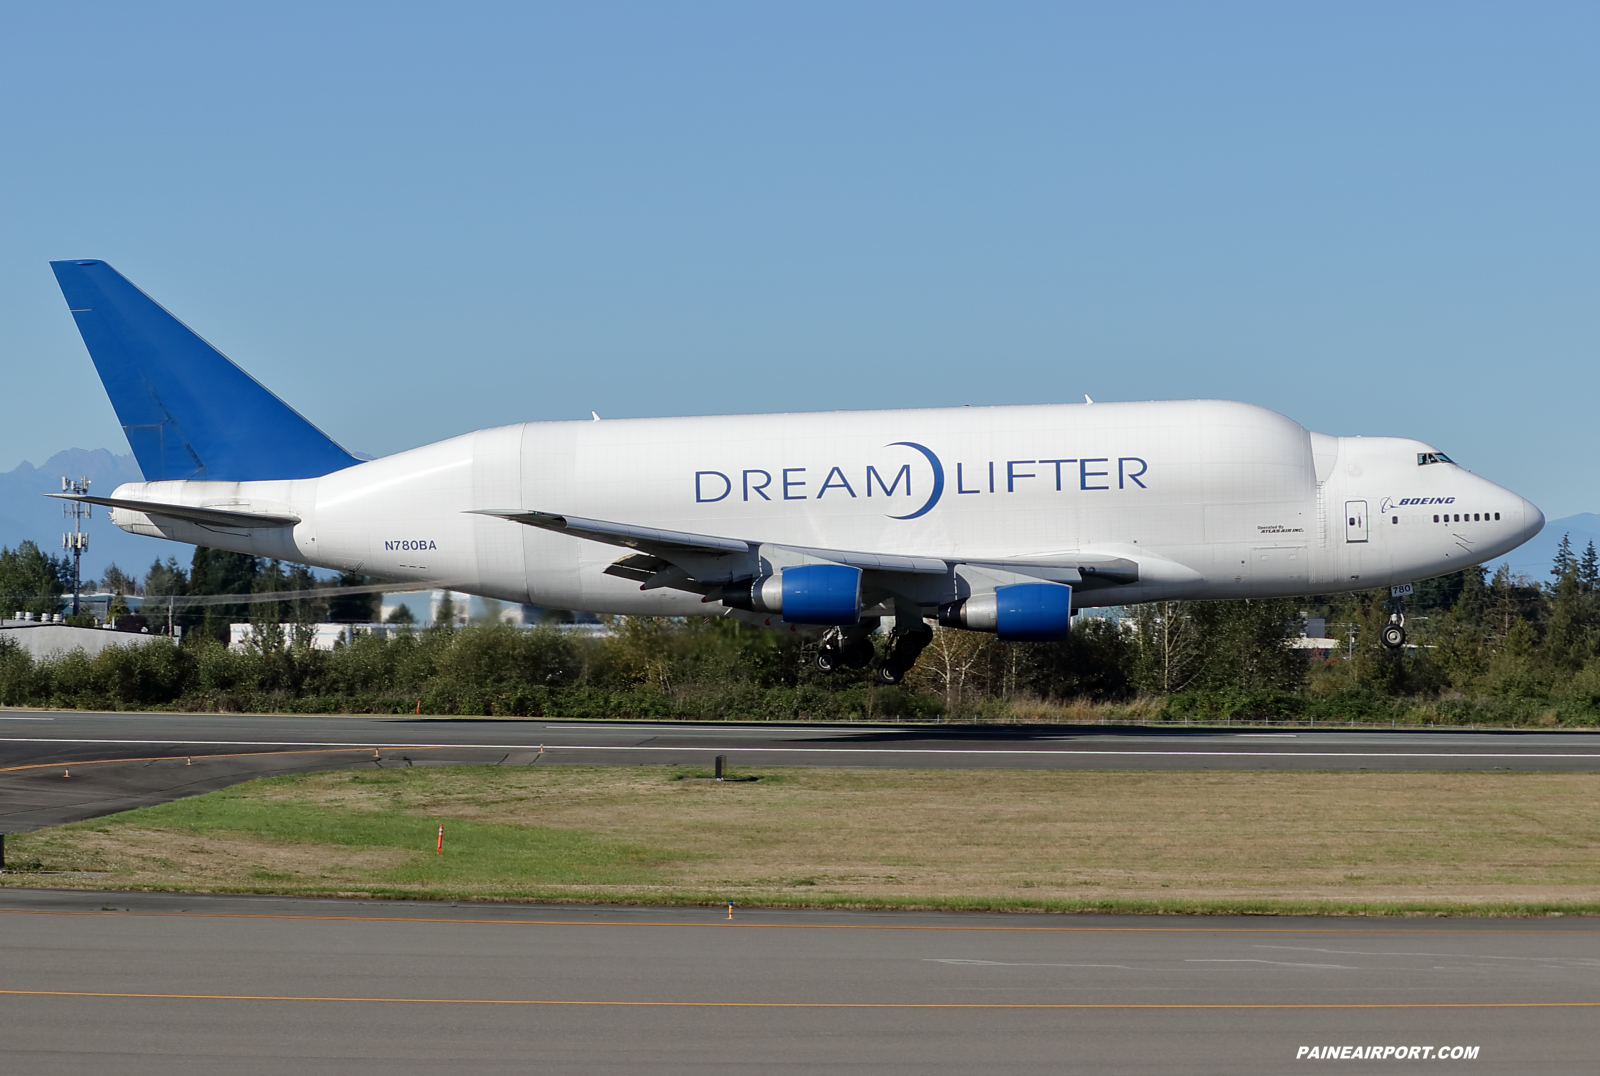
1355	521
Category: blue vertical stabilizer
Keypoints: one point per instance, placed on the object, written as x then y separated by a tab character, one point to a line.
188	411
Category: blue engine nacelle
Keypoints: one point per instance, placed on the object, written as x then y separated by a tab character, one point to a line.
809	594
1021	612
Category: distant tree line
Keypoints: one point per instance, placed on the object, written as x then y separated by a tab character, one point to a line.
1482	649
35	582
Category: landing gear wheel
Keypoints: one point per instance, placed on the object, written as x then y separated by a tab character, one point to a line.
1394	637
828	659
857	655
903	651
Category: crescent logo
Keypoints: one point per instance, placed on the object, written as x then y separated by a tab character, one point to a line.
938	477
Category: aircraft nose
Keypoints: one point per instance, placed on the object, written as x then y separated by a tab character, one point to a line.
1532	519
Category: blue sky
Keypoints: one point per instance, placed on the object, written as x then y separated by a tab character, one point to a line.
412	221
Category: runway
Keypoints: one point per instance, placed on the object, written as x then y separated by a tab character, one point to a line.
156	983
59	766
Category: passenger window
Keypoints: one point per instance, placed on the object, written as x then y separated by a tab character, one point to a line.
1395	519
1474	517
1436	519
1497	515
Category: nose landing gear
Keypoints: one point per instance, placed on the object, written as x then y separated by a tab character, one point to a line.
1394	632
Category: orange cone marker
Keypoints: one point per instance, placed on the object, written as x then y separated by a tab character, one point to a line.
440	850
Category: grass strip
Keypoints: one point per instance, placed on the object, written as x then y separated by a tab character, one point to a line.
1019	840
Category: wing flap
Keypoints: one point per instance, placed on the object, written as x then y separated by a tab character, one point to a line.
623	534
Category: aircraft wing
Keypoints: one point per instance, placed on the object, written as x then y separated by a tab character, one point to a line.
703	562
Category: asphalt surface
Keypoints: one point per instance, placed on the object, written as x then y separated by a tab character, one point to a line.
59	766
160	983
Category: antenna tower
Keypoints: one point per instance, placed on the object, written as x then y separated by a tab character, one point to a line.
75	541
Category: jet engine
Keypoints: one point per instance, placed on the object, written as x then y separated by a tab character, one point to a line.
1021	612
808	594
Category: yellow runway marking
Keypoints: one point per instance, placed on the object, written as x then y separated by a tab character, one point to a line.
809	1004
720	924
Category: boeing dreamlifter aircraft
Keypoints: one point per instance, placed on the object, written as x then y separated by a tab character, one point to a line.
1001	519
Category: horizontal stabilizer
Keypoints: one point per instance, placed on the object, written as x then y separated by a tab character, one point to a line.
206	517
188	411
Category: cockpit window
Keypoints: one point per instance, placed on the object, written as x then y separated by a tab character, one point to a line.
1425	458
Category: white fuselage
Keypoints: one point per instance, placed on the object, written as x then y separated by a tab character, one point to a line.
1211	500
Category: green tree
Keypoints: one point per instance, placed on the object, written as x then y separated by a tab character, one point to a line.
117	581
1473	603
219	571
166	578
1246	644
267	617
30	581
1512	599
1589	570
164	581
1565	561
354	608
1570	633
1171	651
444	617
303	612
1095	661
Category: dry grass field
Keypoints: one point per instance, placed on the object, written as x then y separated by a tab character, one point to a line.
1374	843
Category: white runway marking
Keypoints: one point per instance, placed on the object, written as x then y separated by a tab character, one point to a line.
714	732
1004	964
1587	962
1276	963
981	751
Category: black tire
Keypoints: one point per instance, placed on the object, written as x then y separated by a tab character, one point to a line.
908	645
1394	637
889	675
828	659
858	655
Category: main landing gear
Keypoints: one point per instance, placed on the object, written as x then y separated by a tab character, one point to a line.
847	648
851	648
905	645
